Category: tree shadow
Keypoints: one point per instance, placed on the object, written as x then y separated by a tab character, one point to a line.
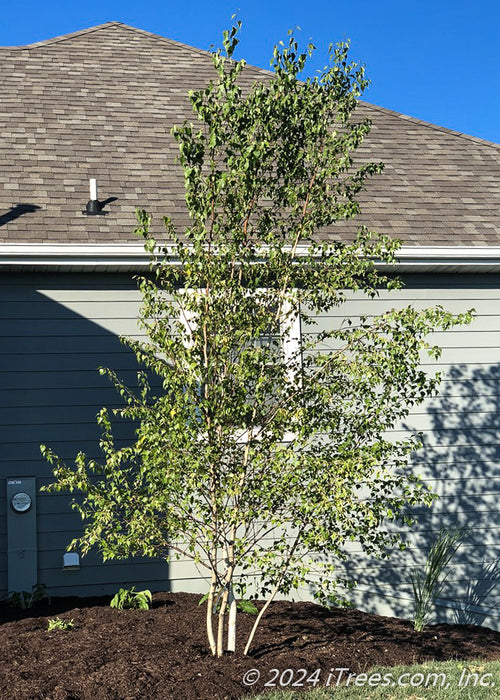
476	607
460	462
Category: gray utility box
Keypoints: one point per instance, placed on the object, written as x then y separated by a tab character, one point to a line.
21	533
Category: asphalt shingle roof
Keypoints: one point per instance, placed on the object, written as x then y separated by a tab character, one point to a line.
101	103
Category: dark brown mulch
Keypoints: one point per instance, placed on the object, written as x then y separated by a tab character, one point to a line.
162	653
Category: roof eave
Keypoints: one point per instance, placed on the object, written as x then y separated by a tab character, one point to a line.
132	257
73	257
448	259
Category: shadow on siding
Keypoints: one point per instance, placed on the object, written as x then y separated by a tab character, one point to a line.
460	461
50	392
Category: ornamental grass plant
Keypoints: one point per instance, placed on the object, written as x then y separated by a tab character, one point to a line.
428	584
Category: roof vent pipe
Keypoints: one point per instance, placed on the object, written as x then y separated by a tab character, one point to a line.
94	206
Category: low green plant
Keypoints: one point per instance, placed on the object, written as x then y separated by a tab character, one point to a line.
130	599
427	585
244	605
58	623
26	599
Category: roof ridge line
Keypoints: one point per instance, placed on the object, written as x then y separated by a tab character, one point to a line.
105	25
165	39
430	125
62	37
175	42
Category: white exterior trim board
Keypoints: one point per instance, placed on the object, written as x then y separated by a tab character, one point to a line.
134	257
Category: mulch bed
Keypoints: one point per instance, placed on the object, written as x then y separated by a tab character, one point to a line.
162	653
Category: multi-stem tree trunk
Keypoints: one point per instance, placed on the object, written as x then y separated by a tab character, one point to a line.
274	593
220	628
231	623
227	601
210	610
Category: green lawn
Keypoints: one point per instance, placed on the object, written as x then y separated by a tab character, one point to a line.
449	680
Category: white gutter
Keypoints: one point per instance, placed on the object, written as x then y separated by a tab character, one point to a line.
449	255
133	256
49	255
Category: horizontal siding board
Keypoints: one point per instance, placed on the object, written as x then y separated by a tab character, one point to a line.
31	292
116	575
66	523
70	343
461	338
477	551
453	590
451	357
107	292
482	479
37	399
441	452
48	313
70	281
431	296
484	521
69	586
52	504
460	496
117	359
51	558
26	467
456	421
357	308
33	434
481	323
61	415
65	379
463	567
53	538
479	508
31	463
28	451
428	413
454	436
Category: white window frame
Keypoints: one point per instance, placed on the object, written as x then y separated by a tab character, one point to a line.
291	342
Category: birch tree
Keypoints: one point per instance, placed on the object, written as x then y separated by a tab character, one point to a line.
263	457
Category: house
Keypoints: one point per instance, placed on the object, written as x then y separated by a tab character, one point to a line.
100	104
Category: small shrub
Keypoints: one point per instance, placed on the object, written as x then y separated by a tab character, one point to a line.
246	606
57	623
130	599
26	600
427	585
243	605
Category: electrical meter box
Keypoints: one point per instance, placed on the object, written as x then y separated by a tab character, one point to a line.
21	533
